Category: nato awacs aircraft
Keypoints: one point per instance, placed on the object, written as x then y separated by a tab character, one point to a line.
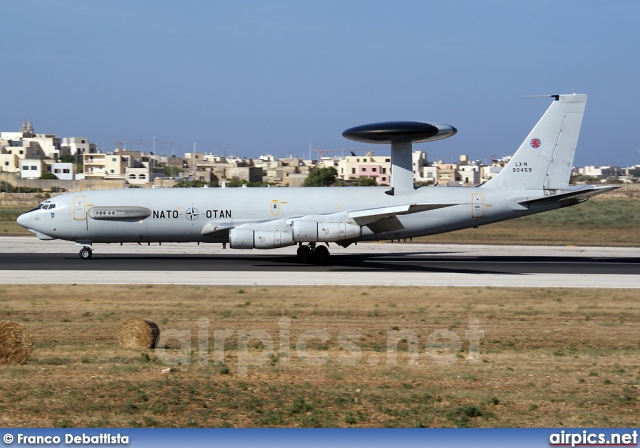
535	180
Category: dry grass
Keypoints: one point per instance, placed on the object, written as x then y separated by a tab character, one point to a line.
549	357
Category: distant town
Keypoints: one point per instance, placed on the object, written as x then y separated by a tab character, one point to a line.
46	162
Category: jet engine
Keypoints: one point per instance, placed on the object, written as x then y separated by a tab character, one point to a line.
306	231
245	238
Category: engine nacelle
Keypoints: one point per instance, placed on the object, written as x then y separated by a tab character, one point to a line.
241	238
306	231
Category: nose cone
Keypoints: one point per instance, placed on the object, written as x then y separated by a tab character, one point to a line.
22	220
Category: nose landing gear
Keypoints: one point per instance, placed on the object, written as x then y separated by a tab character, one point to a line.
86	253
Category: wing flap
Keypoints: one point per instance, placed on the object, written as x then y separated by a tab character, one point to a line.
391	224
369	216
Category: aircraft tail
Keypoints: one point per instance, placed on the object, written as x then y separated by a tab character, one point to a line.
545	158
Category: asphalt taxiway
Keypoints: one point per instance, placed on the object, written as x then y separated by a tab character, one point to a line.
27	260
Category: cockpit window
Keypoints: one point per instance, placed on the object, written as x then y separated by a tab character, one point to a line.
37	208
45	205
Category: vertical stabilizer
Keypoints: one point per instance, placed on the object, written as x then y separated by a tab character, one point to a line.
545	158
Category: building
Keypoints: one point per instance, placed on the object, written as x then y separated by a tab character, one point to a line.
63	171
354	167
31	168
17	146
104	166
468	172
249	174
447	173
79	146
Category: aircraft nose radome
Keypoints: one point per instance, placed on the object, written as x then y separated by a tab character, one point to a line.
22	220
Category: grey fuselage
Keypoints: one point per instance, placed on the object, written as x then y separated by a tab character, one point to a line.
181	214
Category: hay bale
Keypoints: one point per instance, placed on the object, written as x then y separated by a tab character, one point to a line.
15	343
138	333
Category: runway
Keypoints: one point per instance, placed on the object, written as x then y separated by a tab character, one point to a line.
26	260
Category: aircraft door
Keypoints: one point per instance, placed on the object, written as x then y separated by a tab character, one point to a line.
79	208
275	207
477	204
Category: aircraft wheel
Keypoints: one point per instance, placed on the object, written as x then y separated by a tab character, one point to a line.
322	254
305	254
85	253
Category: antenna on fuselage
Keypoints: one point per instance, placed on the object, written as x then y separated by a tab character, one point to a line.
193	161
401	135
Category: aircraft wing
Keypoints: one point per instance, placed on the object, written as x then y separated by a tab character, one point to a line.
385	219
369	216
572	197
217	229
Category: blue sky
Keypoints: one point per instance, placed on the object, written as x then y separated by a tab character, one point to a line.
255	77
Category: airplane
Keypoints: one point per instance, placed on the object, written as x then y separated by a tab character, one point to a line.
535	180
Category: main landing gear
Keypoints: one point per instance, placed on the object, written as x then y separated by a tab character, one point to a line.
312	253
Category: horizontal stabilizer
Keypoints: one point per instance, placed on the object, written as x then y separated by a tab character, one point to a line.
576	196
366	217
